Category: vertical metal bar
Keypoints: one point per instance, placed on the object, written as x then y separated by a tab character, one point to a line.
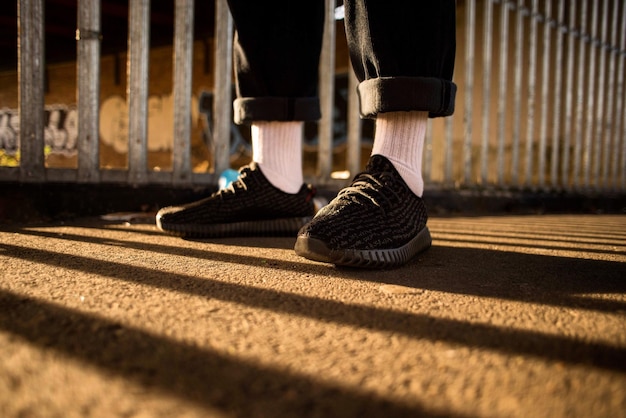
88	95
620	131
222	99
470	25
137	89
448	173
354	126
31	87
558	84
517	105
532	83
590	103
183	49
502	88
487	59
327	89
623	136
580	97
427	154
545	83
569	99
623	139
600	141
612	122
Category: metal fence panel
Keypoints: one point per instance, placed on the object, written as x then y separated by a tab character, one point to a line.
552	117
541	100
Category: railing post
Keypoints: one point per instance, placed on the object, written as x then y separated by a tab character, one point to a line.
487	59
354	126
620	131
558	85
137	90
532	96
502	90
590	102
470	27
183	49
517	100
88	85
222	98
545	107
600	137
580	99
31	89
327	94
611	87
568	131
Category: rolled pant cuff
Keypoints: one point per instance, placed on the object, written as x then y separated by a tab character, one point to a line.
250	109
396	94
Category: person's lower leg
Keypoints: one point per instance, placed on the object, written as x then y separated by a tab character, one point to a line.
277	149
399	137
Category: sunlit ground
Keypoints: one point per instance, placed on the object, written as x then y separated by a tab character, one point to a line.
587	237
504	316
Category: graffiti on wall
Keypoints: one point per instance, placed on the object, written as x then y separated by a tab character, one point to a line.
61	126
9	131
60	131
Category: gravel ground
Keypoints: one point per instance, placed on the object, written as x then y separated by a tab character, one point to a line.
506	316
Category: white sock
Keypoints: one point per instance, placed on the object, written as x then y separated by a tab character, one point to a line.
277	149
399	136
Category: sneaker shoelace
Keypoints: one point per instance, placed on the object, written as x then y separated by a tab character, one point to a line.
367	186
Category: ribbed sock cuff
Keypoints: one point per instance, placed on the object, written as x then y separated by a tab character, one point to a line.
277	149
399	137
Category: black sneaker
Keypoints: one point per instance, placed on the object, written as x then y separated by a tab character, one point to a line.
250	206
377	222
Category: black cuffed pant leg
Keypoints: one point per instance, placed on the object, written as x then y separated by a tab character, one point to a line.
403	52
276	54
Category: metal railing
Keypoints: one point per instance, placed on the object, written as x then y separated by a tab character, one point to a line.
541	102
542	90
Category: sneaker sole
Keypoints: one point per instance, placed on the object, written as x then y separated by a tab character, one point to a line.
268	227
317	250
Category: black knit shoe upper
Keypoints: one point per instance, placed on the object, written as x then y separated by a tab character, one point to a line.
375	222
249	206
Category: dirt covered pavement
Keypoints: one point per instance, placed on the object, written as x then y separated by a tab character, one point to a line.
512	316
